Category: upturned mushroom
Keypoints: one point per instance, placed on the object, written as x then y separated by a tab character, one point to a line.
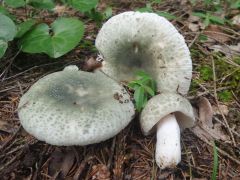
133	41
73	107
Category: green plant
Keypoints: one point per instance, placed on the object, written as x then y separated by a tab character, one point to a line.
24	27
208	18
7	32
148	8
225	96
215	162
206	72
41	4
234	4
228	75
144	88
36	36
89	9
82	5
61	37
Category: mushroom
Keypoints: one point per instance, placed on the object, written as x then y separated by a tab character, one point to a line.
73	107
168	113
133	41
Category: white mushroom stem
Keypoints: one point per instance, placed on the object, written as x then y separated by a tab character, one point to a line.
168	149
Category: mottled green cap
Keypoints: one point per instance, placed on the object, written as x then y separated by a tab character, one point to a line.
73	107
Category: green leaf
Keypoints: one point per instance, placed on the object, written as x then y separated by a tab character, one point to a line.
203	38
108	12
133	85
143	81
95	15
3	47
15	3
143	74
4	11
215	162
42	4
216	20
139	98
148	8
206	21
199	14
83	5
66	34
153	85
149	90
166	15
25	27
145	99
7	28
235	5
156	1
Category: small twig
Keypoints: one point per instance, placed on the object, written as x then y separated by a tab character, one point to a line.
20	87
10	63
81	167
224	153
76	154
188	159
206	92
218	120
11	161
11	138
111	153
194	40
216	99
12	151
7	89
40	162
220	33
236	98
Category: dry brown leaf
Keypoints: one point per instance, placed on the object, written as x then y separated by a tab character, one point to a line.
67	163
100	172
232	50
205	112
60	10
195	24
91	64
236	20
5	126
193	19
193	27
204	128
61	163
214	32
223	108
55	162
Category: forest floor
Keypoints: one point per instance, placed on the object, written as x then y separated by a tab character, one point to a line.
215	52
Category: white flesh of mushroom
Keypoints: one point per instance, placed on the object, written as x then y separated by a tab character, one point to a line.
168	149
